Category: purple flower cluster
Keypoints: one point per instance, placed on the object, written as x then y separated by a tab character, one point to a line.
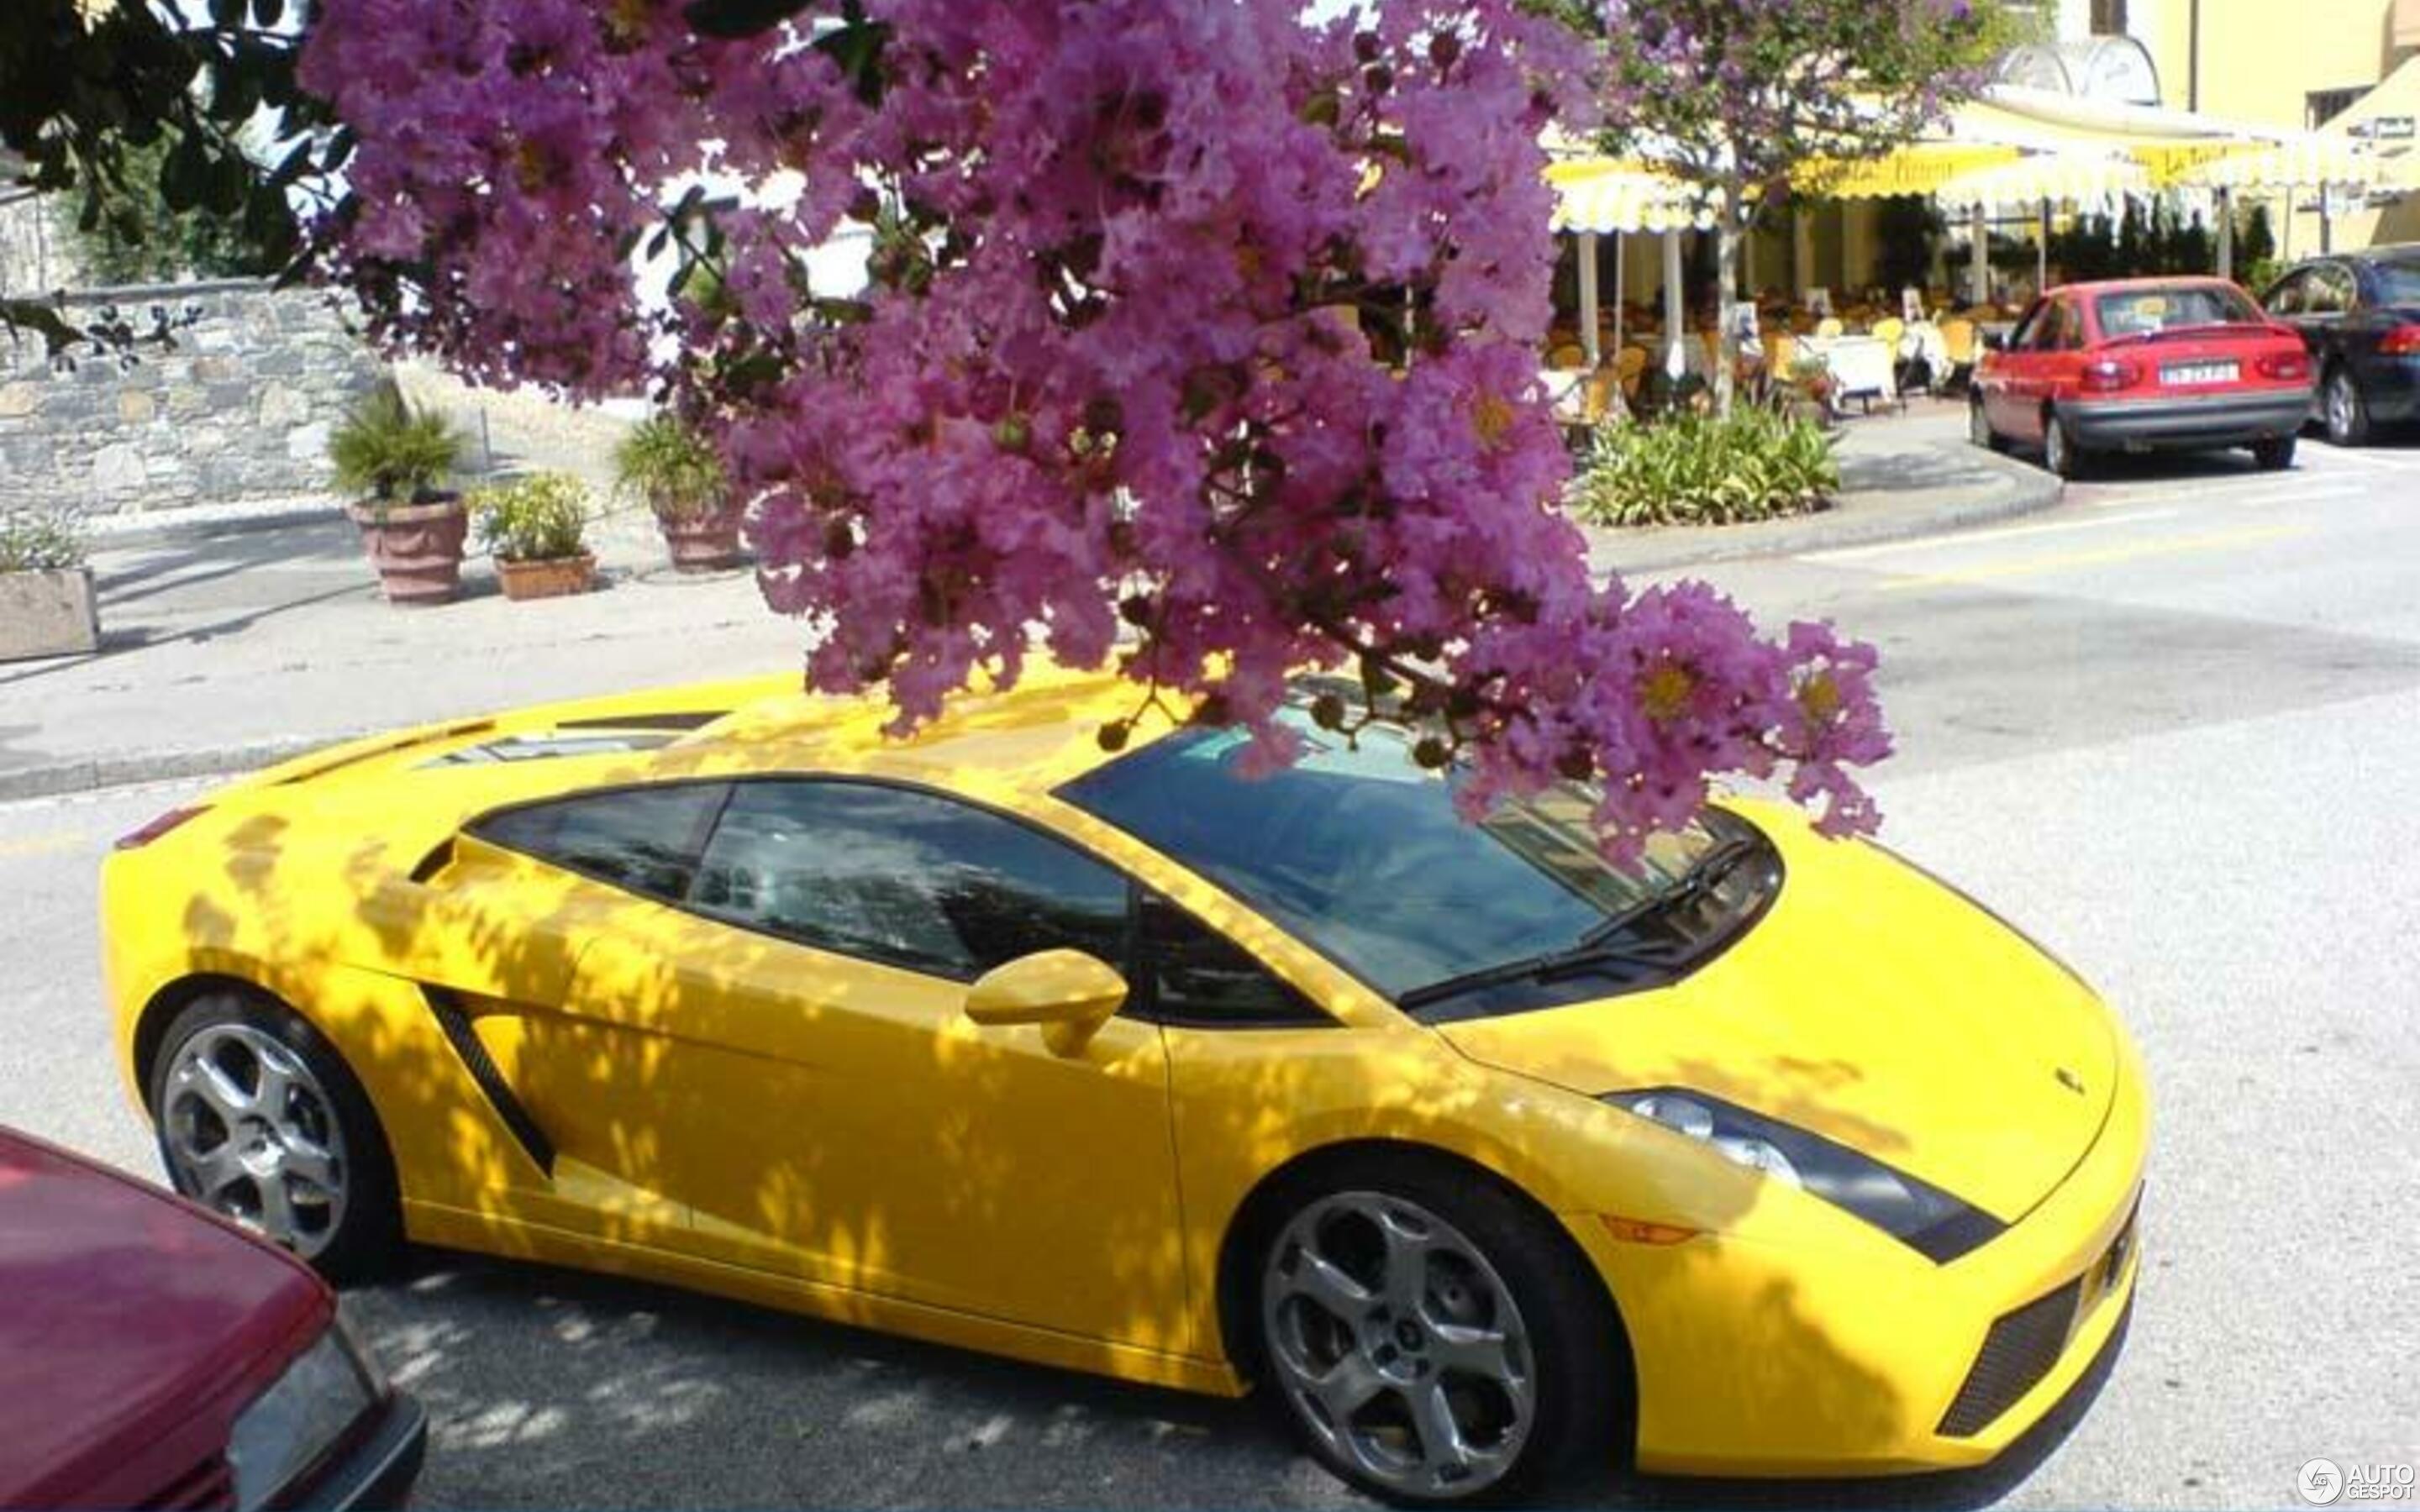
1200	338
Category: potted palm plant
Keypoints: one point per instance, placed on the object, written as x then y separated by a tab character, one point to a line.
537	528
395	459
46	599
675	470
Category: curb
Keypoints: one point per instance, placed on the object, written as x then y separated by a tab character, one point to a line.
2023	490
96	773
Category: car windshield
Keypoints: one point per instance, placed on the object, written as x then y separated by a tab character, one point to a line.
1359	851
2398	283
2146	311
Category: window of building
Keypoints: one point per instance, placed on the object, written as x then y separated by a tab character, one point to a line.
2109	18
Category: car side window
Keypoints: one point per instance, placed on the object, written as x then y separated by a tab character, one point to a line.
908	878
2028	329
2051	332
1190	974
2291	294
2333	290
647	840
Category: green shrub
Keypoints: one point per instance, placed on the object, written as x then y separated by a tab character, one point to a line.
541	517
673	467
1706	470
392	452
36	540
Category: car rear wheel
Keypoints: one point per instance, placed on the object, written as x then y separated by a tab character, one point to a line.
1425	1366
2059	452
260	1119
2344	411
2276	455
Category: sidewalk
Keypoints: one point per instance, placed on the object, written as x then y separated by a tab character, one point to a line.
230	645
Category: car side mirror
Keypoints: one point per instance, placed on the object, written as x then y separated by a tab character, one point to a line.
1069	993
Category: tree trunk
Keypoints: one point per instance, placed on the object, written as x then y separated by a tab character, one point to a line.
1730	226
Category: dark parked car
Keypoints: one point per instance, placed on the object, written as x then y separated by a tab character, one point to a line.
2359	312
2143	364
154	1355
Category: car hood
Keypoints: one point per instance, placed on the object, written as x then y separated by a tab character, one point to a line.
124	1315
1871	1005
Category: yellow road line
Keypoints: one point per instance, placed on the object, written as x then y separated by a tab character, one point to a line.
41	844
2094	559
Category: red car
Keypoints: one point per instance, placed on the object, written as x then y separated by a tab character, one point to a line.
2144	365
153	1355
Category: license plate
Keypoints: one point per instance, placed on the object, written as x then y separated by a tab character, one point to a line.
2188	373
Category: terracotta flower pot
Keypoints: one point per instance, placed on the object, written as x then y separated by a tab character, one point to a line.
550	578
705	543
417	549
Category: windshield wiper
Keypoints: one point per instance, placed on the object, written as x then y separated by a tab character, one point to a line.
1709	868
1597	948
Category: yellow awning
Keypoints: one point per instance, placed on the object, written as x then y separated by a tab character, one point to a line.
2308	162
1921	168
1610	194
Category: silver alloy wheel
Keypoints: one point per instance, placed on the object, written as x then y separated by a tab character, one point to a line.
2340	402
1398	1345
250	1132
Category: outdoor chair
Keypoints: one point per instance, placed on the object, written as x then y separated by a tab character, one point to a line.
1960	345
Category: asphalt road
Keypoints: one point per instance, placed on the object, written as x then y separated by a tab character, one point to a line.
2172	728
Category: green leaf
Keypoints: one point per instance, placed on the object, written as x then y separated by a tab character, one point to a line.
184	173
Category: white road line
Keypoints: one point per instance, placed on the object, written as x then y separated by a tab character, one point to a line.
1939	543
2237	491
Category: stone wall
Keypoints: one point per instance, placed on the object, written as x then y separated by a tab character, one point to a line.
239	411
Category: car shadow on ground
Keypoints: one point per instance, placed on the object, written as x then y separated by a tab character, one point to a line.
557	1388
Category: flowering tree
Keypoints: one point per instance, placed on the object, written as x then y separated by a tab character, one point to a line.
1752	100
1199	337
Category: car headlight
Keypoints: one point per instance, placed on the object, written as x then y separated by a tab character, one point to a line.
288	1426
1922	1216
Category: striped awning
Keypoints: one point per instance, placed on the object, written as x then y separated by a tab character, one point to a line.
1610	194
2063	177
2305	162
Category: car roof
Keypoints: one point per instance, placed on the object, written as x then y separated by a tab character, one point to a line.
2130	285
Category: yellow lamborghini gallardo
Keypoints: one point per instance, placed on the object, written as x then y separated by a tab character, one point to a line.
1770	1156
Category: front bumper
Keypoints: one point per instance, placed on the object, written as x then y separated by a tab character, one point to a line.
1753	1359
2187	423
377	1469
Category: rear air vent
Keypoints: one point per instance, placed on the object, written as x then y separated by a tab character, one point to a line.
455	1020
691	719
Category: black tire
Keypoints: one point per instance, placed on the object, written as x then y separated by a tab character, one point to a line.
2343	411
1577	1362
2276	455
1978	427
360	1236
2060	453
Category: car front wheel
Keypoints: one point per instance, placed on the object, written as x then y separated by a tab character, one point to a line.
1423	1365
260	1119
1978	425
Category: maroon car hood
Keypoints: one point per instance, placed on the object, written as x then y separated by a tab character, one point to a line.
125	1315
